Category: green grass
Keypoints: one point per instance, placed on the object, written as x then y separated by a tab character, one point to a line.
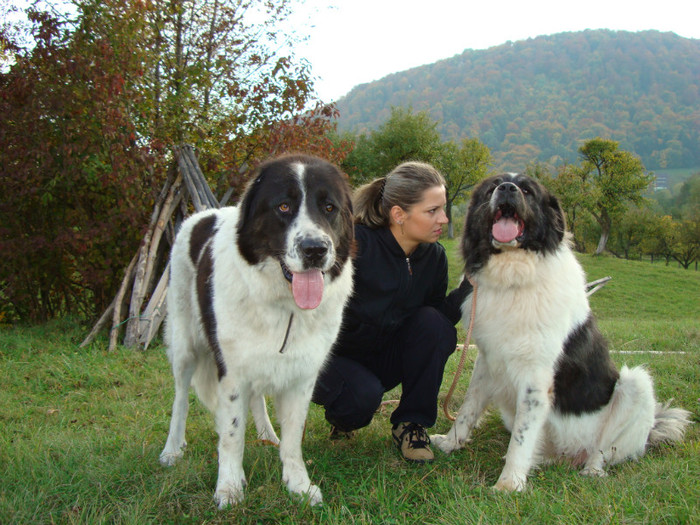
81	430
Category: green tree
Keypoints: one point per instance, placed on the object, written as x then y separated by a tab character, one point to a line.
612	179
572	190
463	167
661	233
630	232
405	136
687	248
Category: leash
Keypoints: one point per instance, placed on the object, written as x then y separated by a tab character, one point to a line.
463	358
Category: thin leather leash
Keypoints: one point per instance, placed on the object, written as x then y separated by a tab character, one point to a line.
463	358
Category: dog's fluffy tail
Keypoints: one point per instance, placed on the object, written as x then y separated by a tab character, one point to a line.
669	424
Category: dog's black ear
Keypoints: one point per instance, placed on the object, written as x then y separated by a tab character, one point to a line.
248	200
347	246
557	221
248	206
476	242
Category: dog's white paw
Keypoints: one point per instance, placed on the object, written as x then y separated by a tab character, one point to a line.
446	443
511	484
168	459
229	494
306	491
312	495
594	472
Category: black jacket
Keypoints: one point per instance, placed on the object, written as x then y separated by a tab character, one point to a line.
389	287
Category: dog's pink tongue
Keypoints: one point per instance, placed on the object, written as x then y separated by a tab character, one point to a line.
505	229
307	288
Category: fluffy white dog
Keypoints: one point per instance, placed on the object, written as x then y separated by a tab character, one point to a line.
255	302
542	360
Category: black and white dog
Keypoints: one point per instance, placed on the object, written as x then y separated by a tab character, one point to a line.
255	302
542	360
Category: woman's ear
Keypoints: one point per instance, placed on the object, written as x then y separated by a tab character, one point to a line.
397	214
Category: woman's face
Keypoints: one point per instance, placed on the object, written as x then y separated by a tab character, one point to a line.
424	220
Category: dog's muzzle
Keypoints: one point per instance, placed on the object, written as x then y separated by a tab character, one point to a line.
508	226
313	252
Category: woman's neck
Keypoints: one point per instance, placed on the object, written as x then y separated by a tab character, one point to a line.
407	245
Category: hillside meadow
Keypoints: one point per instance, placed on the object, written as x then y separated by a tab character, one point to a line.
81	430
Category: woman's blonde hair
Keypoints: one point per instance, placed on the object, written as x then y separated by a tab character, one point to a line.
403	187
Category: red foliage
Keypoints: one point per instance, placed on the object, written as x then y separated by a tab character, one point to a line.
87	120
74	187
305	132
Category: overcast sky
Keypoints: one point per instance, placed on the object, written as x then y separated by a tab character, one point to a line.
359	41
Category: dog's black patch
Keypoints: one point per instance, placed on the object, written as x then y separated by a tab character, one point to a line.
585	375
269	205
205	296
201	233
330	204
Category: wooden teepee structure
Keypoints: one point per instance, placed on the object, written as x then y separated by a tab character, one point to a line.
185	184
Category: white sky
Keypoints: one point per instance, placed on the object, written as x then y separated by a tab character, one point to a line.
359	41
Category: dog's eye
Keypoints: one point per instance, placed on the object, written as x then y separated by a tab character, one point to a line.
284	207
329	207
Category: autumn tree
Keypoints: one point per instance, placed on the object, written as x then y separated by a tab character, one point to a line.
75	183
313	132
224	78
88	114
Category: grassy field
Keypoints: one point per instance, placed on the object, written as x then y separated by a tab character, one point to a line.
81	430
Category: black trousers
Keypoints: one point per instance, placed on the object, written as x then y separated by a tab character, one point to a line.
351	390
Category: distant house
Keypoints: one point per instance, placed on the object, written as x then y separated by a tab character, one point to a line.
660	181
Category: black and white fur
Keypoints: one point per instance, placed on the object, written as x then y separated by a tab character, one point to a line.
234	330
542	360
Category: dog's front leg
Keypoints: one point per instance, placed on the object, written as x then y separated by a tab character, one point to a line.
533	406
292	409
475	402
231	413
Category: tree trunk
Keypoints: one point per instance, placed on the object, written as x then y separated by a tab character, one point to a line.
602	242
605	223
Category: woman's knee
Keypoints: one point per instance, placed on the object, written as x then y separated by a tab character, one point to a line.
432	325
350	394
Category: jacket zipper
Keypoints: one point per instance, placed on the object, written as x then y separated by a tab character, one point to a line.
408	263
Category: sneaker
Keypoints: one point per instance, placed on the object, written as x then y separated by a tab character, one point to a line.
337	434
413	442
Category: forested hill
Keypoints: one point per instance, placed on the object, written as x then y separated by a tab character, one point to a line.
538	99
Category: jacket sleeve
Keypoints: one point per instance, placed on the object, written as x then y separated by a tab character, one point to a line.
452	305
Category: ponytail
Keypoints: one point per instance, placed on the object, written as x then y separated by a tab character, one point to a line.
368	203
403	187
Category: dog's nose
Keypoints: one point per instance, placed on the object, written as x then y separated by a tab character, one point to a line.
507	187
313	250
